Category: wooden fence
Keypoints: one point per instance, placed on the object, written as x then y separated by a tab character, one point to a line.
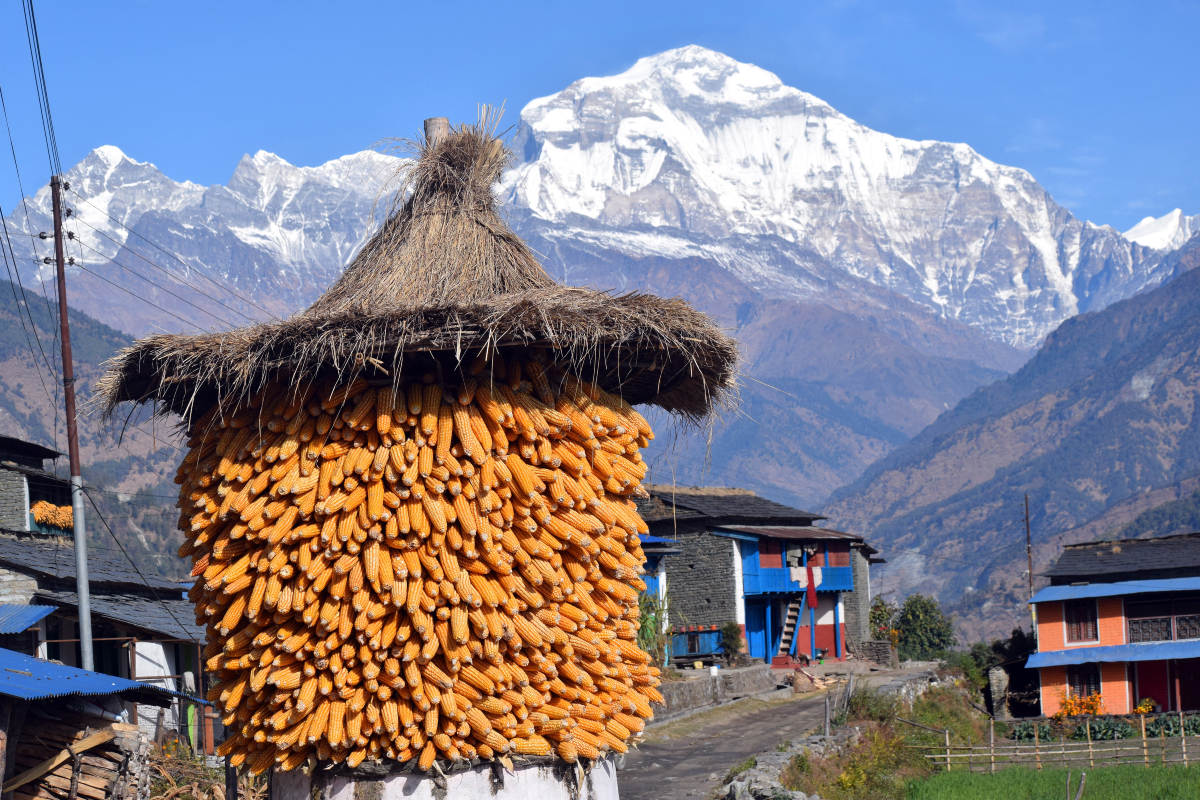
1144	750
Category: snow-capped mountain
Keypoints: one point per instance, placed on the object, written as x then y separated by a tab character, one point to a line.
1168	232
690	152
873	281
270	240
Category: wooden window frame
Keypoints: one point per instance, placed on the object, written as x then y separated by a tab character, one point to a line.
1069	606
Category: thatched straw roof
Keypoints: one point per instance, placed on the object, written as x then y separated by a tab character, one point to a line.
443	278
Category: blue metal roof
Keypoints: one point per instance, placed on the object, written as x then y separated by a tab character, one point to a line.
1051	593
1145	651
33	679
17	617
655	539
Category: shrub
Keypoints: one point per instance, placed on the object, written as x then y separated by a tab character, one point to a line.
878	766
870	704
926	631
732	642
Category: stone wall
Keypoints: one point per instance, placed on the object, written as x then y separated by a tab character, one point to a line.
857	604
998	684
700	580
17	587
12	501
880	651
705	691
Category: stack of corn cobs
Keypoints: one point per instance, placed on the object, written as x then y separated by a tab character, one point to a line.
421	571
46	513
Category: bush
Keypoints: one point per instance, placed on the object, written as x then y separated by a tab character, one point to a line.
732	643
926	631
652	635
869	704
878	766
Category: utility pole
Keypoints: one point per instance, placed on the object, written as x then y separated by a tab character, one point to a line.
81	565
1029	556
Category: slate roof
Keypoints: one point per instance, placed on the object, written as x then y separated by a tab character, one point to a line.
1123	559
11	447
729	505
172	619
54	559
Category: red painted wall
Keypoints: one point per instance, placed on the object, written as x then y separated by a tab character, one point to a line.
1152	681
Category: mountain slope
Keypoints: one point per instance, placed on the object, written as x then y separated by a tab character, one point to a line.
127	469
1105	412
874	281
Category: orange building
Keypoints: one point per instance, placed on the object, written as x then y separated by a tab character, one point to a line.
1122	619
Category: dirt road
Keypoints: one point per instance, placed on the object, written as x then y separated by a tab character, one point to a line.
688	758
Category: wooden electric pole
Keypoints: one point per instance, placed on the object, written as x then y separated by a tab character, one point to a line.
81	566
1029	557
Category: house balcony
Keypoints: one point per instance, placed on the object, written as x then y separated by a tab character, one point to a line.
776	580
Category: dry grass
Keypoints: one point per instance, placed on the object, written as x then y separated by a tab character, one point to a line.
443	278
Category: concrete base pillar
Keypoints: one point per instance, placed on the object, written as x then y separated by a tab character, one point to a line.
543	781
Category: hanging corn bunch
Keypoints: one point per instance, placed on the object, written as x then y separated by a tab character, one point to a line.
46	513
421	571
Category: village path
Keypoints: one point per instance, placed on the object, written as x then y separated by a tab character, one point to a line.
691	763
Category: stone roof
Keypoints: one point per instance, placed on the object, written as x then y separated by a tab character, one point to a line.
54	557
1178	554
719	503
171	618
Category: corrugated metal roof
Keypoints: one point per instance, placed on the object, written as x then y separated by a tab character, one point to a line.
1053	593
16	618
33	679
1145	651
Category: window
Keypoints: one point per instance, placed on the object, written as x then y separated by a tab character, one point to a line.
1081	620
1083	680
693	643
1149	621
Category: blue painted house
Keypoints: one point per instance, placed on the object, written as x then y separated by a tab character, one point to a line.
742	558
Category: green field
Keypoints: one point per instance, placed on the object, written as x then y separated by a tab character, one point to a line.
1103	783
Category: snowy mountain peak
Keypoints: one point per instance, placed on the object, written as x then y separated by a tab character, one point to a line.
699	73
1166	232
702	148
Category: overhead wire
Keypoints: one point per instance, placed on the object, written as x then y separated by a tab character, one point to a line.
172	256
24	300
39	80
157	286
134	564
160	268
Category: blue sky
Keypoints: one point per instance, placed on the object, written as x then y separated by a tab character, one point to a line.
1094	98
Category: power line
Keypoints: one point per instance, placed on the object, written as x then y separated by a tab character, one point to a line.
170	255
157	286
52	397
134	564
139	297
161	269
39	80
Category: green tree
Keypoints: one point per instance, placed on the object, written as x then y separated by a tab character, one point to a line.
883	619
925	629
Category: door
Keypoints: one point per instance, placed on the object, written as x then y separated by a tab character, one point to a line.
756	630
1188	672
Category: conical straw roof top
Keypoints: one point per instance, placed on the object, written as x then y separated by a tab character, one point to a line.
442	279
